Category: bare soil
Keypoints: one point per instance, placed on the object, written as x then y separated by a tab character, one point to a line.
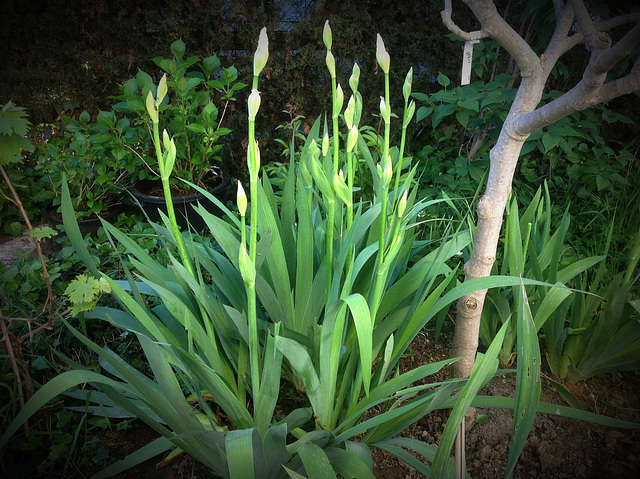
556	448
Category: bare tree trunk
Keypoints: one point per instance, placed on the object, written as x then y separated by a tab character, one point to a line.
524	118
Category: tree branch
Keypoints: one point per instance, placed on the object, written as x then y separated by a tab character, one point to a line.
596	41
591	89
559	43
621	86
453	28
558	6
607	60
498	29
602	26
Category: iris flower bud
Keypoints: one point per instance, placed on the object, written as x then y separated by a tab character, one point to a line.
326	35
241	200
254	104
325	144
262	53
355	78
331	64
406	88
382	55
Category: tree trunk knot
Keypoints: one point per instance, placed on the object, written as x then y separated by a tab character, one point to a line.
471	304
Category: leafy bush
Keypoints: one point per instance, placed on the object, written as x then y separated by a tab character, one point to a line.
190	114
93	157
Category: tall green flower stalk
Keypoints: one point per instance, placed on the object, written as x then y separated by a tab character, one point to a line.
243	353
337	96
166	161
409	110
385	173
247	260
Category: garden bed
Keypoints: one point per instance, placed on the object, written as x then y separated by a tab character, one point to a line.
556	448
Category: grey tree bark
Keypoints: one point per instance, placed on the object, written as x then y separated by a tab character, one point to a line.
526	116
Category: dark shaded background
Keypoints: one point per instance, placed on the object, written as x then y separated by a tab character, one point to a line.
70	55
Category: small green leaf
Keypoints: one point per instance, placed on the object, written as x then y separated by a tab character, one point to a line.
43	232
82	289
550	141
14	228
443	80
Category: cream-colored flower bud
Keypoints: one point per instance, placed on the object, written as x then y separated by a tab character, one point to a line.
406	88
254	104
341	189
339	99
241	199
384	111
262	53
388	172
352	138
410	112
355	78
162	90
382	55
326	35
325	144
169	156
151	107
331	64
350	111
402	204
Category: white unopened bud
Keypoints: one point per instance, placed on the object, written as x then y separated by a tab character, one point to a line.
382	55
339	100
355	78
331	64
352	138
326	35
262	53
325	144
384	110
241	200
254	104
406	88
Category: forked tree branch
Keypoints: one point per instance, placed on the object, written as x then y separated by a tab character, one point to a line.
596	41
621	86
453	28
591	90
559	42
602	26
498	28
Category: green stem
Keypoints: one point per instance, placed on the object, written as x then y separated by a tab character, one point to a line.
243	356
331	201
401	154
336	136
377	285
169	202
254	351
331	206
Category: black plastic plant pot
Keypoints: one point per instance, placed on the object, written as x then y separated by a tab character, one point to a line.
88	226
148	194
